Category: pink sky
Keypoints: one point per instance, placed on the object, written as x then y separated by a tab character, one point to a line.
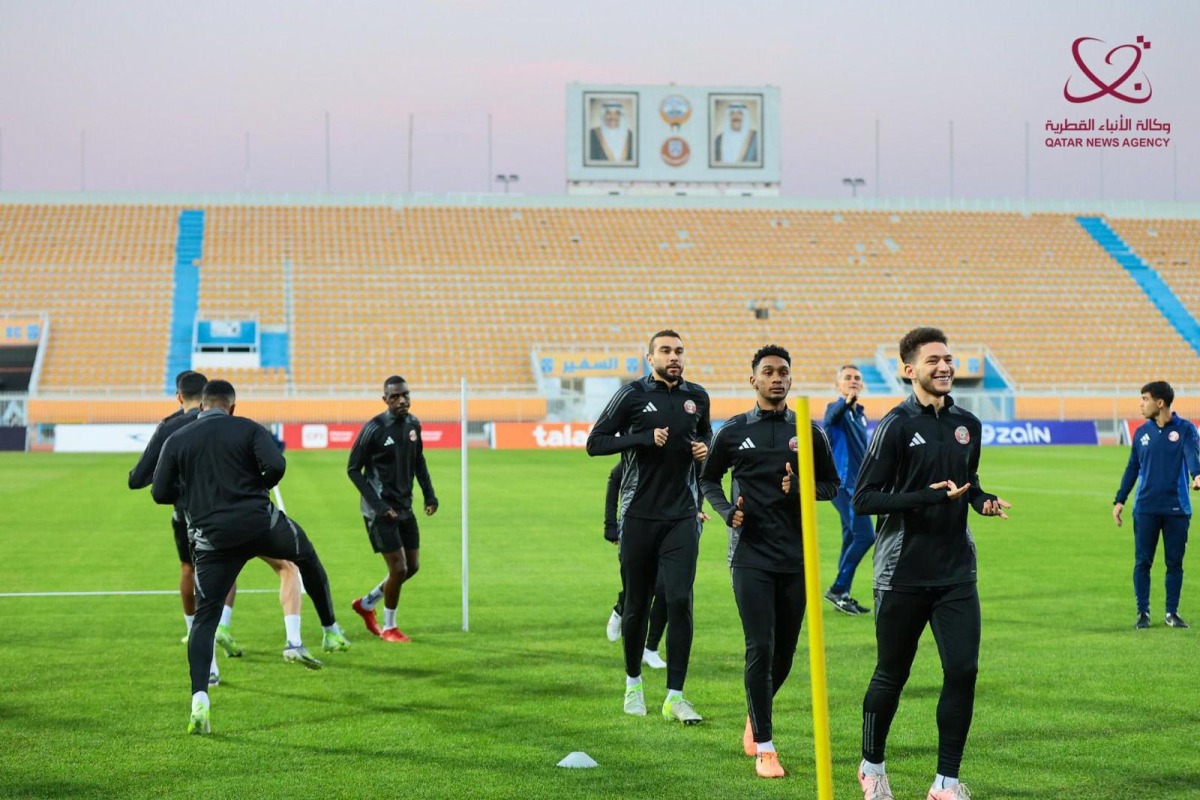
167	91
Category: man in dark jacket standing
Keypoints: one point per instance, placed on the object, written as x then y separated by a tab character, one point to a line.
846	425
766	552
221	469
1165	450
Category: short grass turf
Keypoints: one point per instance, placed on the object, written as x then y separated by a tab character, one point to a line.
1071	701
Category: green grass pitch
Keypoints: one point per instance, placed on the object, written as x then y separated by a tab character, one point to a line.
1071	702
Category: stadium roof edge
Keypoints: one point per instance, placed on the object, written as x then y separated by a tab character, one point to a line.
1112	208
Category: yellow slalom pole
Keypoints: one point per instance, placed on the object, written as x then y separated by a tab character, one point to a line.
812	592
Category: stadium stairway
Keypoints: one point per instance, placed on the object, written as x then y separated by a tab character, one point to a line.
189	246
1146	277
275	348
873	380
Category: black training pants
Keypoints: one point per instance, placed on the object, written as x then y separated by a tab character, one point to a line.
216	570
650	547
658	614
771	605
900	617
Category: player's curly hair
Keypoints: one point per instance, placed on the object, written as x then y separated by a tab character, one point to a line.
769	350
911	344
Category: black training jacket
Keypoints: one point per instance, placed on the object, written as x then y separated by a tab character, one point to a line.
659	482
612	496
142	473
220	469
757	446
922	538
387	455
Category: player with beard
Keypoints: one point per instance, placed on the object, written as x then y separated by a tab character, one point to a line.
920	474
660	426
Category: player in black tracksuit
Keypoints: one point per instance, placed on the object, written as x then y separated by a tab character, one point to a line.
387	456
766	553
919	476
612	532
220	469
664	427
188	386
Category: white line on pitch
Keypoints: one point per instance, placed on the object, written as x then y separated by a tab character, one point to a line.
119	594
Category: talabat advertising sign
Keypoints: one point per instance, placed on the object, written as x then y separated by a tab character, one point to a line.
539	435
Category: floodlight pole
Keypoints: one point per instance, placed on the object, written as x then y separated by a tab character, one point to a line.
1027	161
1175	174
411	125
507	179
951	159
877	157
328	159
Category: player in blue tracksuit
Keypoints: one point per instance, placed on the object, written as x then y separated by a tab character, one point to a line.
1165	451
846	427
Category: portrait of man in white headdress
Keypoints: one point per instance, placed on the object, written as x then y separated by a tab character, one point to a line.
736	121
611	139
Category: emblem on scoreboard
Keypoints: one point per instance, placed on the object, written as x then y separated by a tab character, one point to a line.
675	110
689	406
962	435
676	152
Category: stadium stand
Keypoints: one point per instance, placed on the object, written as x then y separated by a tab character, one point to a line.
1172	248
103	274
459	291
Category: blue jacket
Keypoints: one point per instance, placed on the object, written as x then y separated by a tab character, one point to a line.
1162	458
847	431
